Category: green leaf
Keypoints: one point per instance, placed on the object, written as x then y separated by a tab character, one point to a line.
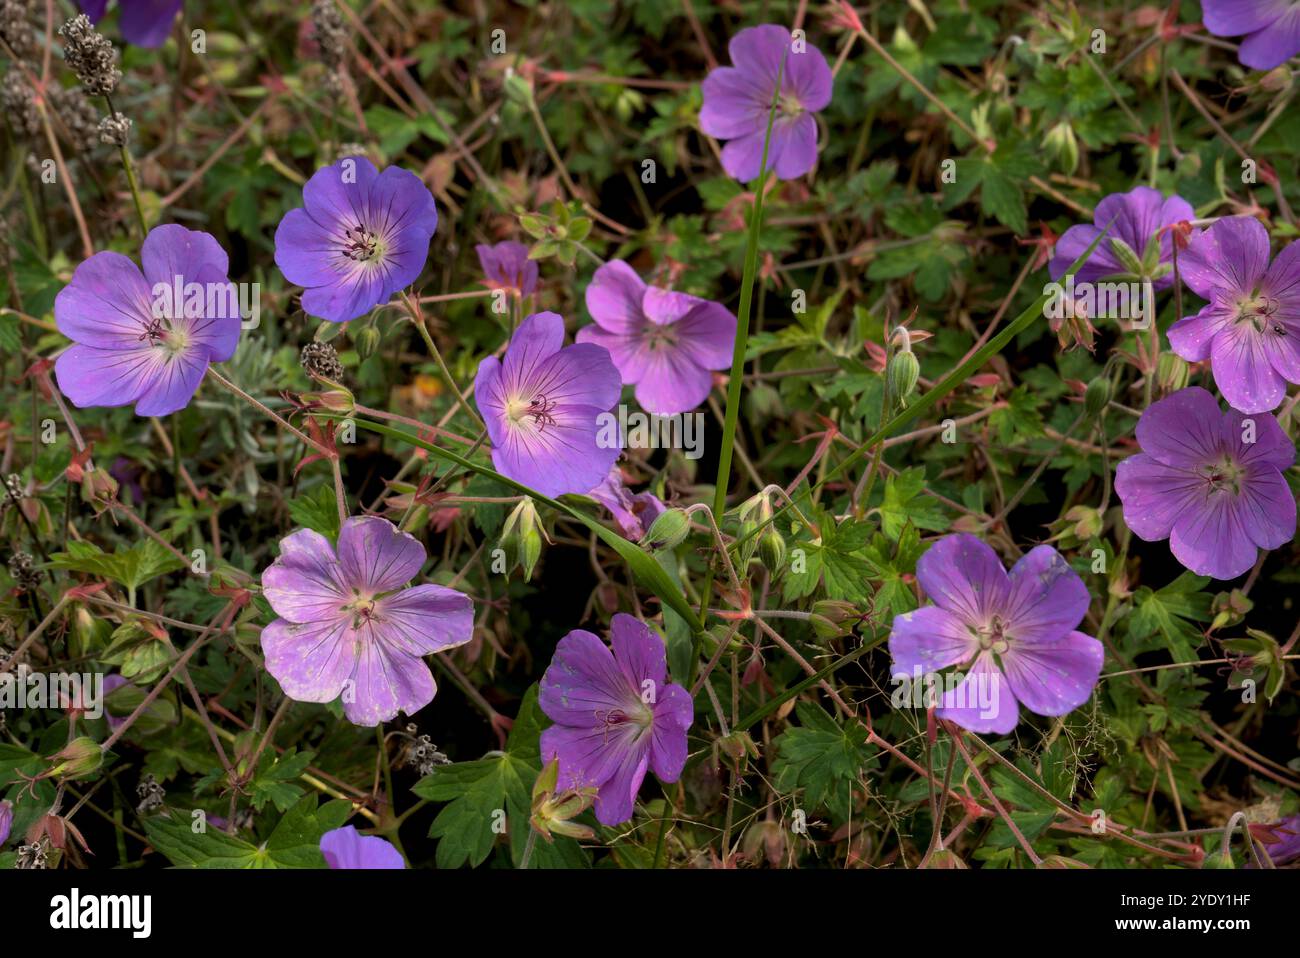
822	758
131	567
1171	612
294	843
318	511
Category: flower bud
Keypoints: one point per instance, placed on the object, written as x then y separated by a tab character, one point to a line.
78	758
1171	372
552	813
366	340
1229	608
522	535
1062	144
6	820
771	547
98	488
669	530
945	859
830	615
901	374
1097	396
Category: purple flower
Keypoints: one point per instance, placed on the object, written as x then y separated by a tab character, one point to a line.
145	23
507	266
347	626
1210	482
6	820
1272	28
542	403
347	848
1137	245
615	715
1015	631
1250	329
147	339
360	236
1282	850
633	513
113	682
664	342
738	98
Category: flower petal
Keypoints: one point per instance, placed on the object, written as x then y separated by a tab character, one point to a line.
303	584
424	619
983	702
1054	678
386	681
927	640
375	556
1048	598
311	661
961	574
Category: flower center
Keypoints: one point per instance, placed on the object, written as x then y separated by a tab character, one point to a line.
992	635
158	331
612	720
789	105
1223	475
539	409
1258	311
660	337
363	609
362	245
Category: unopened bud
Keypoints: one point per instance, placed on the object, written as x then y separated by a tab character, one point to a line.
1097	396
669	530
901	374
366	340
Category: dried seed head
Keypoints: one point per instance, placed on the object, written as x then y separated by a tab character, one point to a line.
25	576
78	115
34	856
329	33
321	359
16	97
16	27
114	130
90	56
151	795
13	487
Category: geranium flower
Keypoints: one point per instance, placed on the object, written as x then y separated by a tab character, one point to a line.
360	236
541	403
1210	482
347	848
1250	327
348	627
1015	632
1280	841
1271	28
507	266
1137	238
738	98
615	715
6	820
138	342
664	342
145	23
632	512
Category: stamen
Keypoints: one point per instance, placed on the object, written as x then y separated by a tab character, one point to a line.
363	243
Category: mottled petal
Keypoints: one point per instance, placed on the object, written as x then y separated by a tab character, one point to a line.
375	556
668	749
1048	598
640	654
303	584
1054	678
1183	429
1232	255
311	661
983	702
386	681
1266	508
964	576
583	682
614	298
928	640
1243	370
1213	539
1155	495
424	619
346	848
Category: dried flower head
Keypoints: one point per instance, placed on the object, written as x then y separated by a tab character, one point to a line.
114	130
322	360
90	56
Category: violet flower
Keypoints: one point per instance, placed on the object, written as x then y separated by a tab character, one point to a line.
507	266
1271	28
1137	246
1250	327
1284	848
112	682
1210	482
541	404
6	820
738	98
136	341
144	23
664	342
633	513
359	237
1015	633
615	715
347	848
348	626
